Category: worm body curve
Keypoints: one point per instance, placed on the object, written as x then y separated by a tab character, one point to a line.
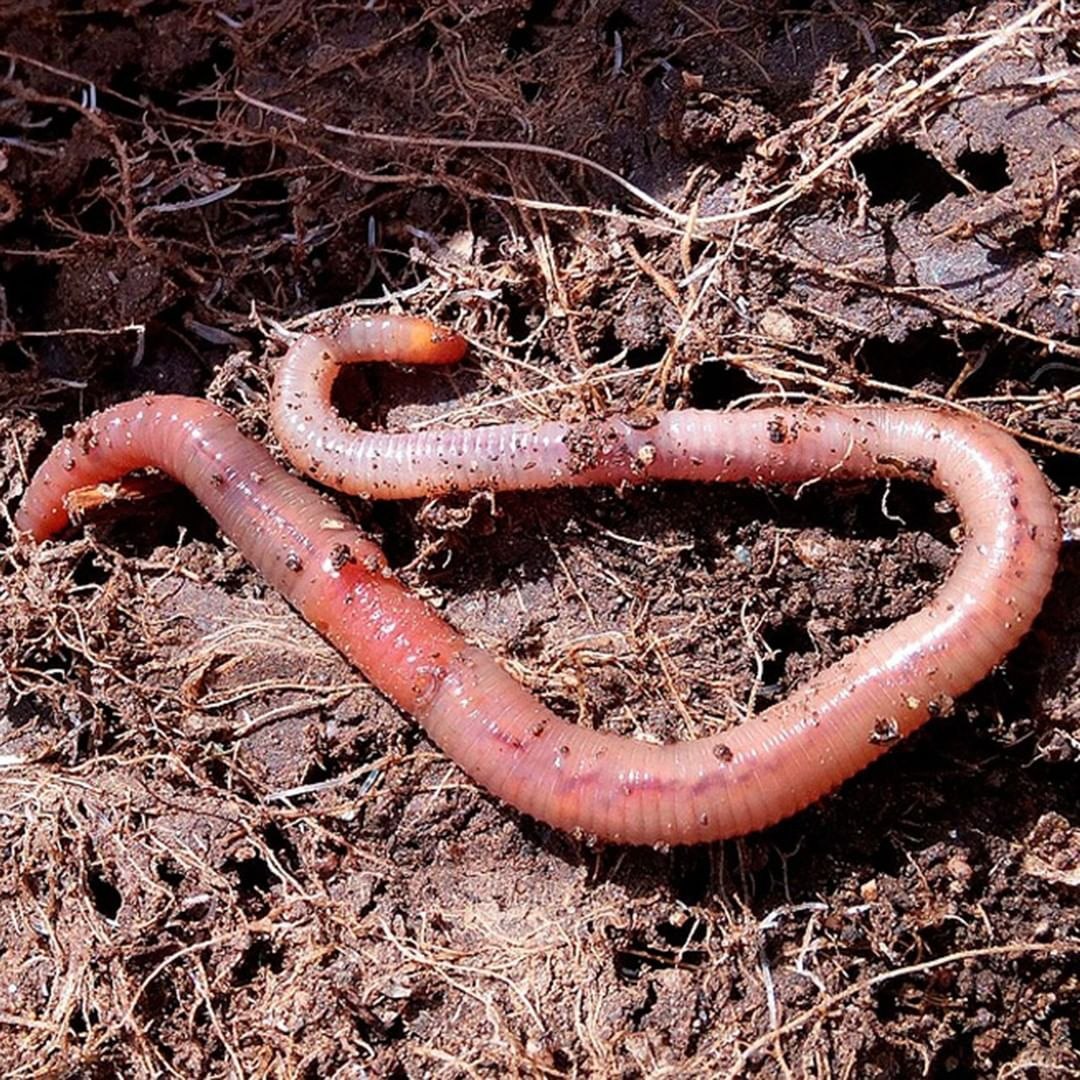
611	786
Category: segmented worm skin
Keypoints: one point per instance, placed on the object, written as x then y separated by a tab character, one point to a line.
611	786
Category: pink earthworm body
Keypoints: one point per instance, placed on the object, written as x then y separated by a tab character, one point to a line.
611	786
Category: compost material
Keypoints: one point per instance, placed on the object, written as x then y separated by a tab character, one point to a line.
225	854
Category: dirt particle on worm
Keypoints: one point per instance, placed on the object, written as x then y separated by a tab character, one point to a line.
583	446
341	555
886	730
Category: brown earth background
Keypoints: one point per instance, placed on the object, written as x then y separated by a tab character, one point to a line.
223	854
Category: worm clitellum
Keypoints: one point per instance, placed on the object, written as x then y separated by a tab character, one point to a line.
611	786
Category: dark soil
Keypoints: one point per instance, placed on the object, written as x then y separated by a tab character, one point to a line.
225	855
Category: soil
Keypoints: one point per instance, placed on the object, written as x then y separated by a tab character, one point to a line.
224	854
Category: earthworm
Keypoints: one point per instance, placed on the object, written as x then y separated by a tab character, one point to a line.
611	786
